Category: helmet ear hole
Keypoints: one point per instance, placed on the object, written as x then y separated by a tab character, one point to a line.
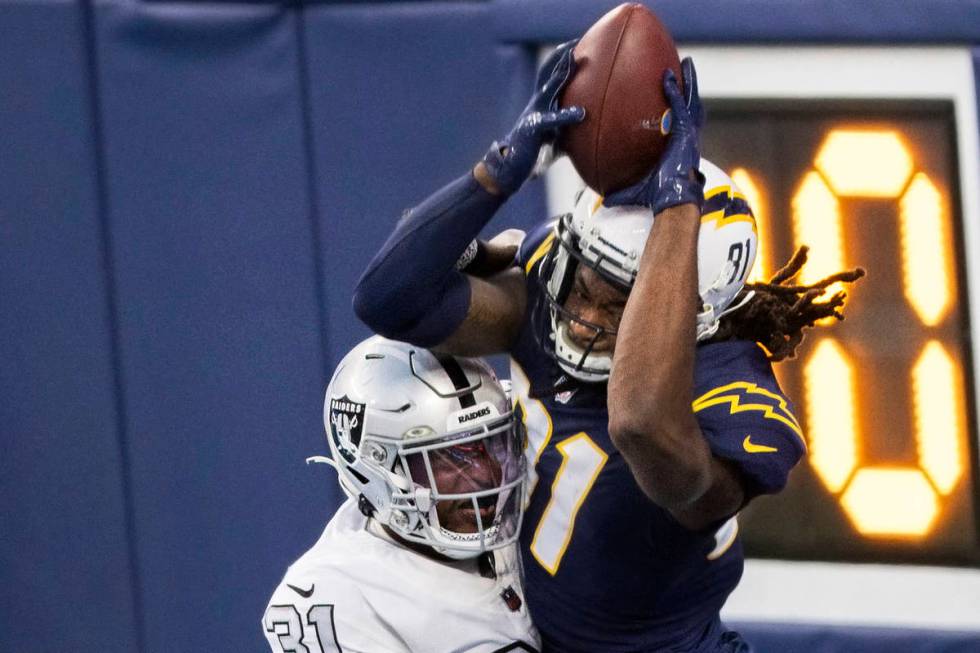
365	506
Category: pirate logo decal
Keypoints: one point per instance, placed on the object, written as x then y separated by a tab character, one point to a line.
346	425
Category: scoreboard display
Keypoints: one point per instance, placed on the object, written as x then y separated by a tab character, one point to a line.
885	397
836	150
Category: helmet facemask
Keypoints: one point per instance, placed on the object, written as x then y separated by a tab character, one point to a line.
467	489
553	319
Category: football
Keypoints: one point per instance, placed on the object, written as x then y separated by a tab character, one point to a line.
620	63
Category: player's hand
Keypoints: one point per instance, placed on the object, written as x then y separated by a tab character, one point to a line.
510	160
553	75
676	180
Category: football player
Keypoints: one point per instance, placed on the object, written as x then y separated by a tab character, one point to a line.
653	414
422	556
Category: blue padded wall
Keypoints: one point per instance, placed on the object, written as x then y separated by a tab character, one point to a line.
818	638
381	144
224	183
188	192
218	322
65	570
756	21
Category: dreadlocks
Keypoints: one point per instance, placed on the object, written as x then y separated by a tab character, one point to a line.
777	314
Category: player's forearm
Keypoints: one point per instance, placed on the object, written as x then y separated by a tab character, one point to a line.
652	378
412	290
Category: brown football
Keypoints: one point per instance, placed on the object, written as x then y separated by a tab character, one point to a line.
619	81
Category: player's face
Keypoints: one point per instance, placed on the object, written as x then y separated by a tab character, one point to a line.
468	467
594	300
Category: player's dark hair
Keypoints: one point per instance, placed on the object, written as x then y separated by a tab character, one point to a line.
777	314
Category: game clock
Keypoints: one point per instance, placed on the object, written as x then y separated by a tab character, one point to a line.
868	155
885	397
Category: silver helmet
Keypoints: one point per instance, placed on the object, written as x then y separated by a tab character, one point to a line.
428	445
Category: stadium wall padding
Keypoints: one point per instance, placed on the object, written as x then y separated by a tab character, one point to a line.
216	302
65	565
758	21
188	192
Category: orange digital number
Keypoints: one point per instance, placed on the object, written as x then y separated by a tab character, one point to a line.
880	500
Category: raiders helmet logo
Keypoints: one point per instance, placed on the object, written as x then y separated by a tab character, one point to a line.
346	425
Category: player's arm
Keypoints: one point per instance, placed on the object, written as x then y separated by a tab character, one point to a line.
652	379
651	385
414	289
498	297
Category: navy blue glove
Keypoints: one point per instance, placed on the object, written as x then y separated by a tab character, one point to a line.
511	159
676	179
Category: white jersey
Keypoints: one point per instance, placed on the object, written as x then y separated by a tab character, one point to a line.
358	591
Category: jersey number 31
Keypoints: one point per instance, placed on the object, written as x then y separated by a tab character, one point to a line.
284	622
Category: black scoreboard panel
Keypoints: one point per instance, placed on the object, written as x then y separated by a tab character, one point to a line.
885	397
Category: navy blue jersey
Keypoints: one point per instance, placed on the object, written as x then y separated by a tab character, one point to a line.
607	569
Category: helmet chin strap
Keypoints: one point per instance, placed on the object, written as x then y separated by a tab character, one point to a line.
734	307
708	322
488	534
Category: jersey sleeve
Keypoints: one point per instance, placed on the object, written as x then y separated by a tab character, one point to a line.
745	416
328	614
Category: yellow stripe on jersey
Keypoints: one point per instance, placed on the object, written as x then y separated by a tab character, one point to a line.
733	394
539	253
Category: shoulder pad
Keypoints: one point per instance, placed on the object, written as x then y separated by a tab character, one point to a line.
535	245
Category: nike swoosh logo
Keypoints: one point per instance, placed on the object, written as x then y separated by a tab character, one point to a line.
304	593
752	447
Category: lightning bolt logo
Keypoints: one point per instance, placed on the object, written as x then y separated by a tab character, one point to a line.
736	396
722	206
